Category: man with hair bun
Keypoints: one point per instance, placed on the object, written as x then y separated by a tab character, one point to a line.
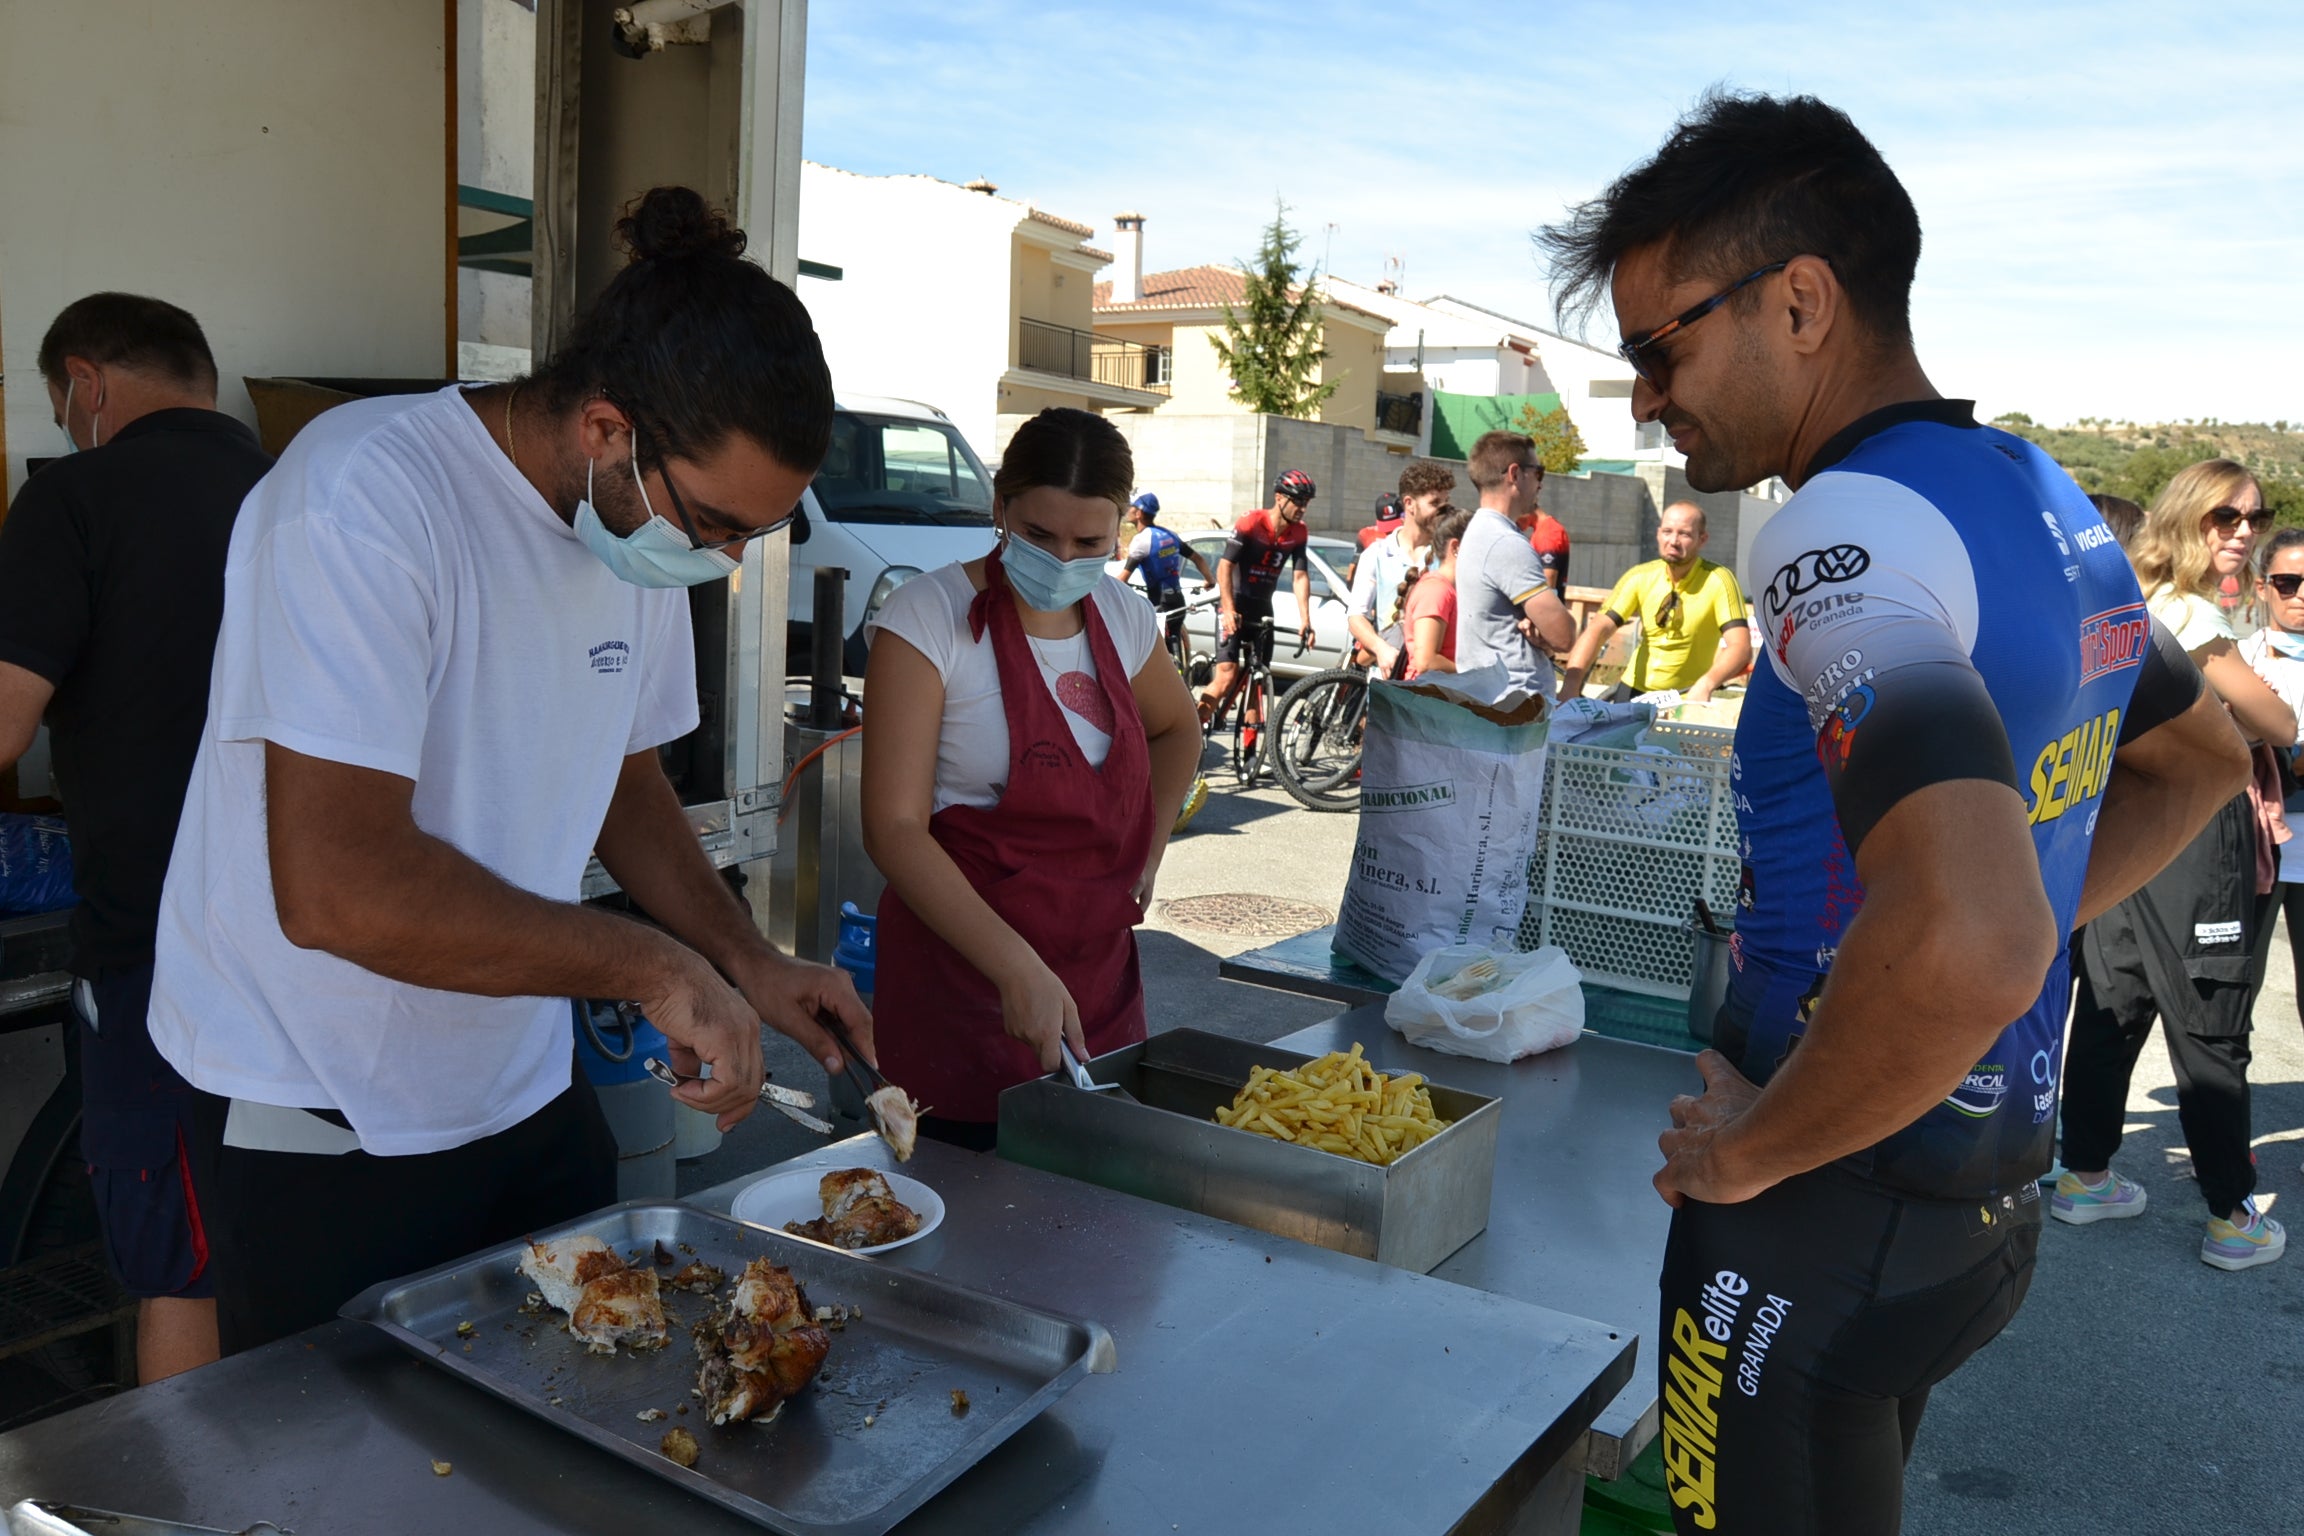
454	637
1967	738
111	582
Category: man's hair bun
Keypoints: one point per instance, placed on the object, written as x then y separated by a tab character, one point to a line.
671	222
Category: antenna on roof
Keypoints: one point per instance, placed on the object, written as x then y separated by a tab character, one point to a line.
1395	275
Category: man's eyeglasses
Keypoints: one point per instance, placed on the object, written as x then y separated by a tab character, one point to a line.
2286	582
1640	351
2227	519
688	524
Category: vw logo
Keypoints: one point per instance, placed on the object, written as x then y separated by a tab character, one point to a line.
1816	568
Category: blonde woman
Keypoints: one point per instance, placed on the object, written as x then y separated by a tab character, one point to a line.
2189	948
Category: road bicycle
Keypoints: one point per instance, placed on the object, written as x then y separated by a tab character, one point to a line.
1316	737
1250	702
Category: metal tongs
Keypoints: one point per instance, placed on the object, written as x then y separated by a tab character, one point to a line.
1077	1070
792	1103
865	1078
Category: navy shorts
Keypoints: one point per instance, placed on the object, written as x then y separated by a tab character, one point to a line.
137	1138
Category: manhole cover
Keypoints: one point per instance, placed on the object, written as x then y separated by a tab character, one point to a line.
1245	915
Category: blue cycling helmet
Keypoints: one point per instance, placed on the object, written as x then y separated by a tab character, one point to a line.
1148	504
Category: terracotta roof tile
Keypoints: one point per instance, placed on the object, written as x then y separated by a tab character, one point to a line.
1194	288
1066	225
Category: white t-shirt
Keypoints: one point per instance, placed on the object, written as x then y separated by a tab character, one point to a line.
1376	579
398	598
2196	622
931	612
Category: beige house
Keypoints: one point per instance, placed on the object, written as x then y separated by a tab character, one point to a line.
976	304
1174	314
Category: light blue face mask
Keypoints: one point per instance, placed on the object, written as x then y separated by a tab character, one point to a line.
655	554
2288	645
1045	582
95	423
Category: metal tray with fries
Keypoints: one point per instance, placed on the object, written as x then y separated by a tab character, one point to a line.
878	1432
1167	1146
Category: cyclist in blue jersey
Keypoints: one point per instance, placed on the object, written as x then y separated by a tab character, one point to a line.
1965	737
1160	556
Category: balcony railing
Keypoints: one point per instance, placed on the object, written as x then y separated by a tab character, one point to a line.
1400	413
1075	354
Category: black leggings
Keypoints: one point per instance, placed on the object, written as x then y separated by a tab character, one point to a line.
1800	1334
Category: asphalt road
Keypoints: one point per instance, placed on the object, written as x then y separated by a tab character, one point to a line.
2138	1392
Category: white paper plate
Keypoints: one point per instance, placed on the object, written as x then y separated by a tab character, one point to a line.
790	1195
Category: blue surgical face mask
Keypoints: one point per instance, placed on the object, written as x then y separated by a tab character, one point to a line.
2285	642
655	554
1042	580
95	423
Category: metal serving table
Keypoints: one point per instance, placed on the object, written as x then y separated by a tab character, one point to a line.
1574	1222
1262	1385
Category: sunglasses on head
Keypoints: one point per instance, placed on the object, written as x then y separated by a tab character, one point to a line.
2286	582
2228	518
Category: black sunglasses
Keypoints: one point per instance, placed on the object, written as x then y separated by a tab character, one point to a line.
688	524
2286	582
1652	365
2228	518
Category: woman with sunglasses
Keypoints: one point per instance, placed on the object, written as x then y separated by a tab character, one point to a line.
2277	653
1026	749
2189	948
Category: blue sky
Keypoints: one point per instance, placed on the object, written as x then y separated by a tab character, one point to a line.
2112	193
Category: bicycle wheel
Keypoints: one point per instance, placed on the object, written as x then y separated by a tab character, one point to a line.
1248	734
1315	739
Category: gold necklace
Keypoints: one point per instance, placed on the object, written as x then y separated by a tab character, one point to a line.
510	446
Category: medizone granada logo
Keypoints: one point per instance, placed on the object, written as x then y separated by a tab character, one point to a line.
2112	640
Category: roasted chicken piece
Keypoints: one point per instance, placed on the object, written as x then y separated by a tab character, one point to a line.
608	1302
861	1211
897	1114
761	1347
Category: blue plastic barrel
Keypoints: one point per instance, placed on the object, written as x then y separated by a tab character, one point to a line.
647	1041
637	1107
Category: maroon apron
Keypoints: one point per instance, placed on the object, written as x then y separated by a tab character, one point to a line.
1057	858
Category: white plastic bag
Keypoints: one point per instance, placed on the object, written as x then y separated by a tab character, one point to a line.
1535	1004
1449	788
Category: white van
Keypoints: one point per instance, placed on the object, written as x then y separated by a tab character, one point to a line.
900	492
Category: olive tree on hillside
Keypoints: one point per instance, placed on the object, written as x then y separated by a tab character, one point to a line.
1272	344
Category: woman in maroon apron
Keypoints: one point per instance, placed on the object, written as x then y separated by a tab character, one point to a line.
1027	746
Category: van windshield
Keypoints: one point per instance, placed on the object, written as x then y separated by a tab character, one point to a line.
884	469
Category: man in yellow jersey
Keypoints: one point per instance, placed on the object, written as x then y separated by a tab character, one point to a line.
1694	635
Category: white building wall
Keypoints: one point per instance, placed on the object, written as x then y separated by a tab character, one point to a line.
922	309
273	166
496	151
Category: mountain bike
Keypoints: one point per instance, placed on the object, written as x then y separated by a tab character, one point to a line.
1316	736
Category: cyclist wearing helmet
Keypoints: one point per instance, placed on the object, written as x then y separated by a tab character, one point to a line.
1160	555
1247	574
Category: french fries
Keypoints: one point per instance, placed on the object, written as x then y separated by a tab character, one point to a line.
1337	1104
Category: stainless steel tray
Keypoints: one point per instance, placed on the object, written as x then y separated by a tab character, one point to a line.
819	1469
1168	1147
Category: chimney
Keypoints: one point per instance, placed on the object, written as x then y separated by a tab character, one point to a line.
979	185
1128	271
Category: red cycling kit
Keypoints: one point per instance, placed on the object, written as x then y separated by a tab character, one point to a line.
1260	546
1548	536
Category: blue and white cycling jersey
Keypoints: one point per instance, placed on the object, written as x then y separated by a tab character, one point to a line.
1938	602
1159	554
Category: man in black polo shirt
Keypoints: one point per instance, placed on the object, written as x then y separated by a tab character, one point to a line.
111	587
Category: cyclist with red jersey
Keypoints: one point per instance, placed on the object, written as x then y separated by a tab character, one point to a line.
1248	573
1548	536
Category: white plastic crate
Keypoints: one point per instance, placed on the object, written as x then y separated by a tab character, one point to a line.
1626	842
